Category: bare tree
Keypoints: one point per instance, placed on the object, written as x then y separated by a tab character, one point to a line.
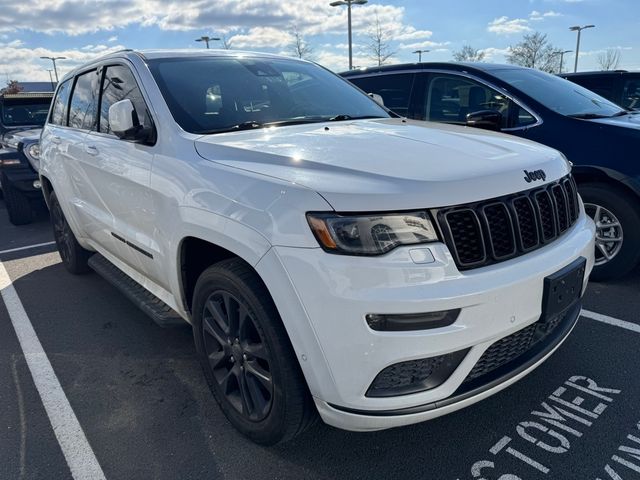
610	59
468	54
12	87
226	44
299	47
535	51
379	47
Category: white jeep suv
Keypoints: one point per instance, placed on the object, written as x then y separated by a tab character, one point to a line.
331	257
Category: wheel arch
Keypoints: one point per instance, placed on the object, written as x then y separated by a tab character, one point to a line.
613	178
47	188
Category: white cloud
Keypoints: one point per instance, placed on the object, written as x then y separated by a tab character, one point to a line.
250	24
20	63
261	37
426	44
537	16
505	26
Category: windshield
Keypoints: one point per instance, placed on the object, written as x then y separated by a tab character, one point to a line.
210	95
560	95
20	112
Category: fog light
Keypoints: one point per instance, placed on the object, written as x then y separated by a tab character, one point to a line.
412	321
37	184
415	375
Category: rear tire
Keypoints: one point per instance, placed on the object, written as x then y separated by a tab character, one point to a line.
18	204
246	355
74	257
618	219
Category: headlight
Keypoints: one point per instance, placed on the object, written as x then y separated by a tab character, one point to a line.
11	141
32	152
372	234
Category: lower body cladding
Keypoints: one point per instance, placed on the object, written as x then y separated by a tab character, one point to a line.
498	323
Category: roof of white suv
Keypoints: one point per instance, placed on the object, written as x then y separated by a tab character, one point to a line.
175	53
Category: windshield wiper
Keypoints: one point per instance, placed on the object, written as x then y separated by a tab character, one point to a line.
343	117
621	113
252	124
588	116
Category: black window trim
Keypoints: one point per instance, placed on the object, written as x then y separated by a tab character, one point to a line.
116	62
73	89
426	72
66	119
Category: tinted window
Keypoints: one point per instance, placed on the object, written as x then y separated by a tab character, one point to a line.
60	104
119	84
395	90
602	85
206	94
631	94
24	111
557	94
450	98
84	101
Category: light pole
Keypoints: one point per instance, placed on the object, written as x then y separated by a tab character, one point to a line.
562	54
53	59
207	39
420	52
348	3
51	78
579	30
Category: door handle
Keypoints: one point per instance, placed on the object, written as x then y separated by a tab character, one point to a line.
55	139
91	149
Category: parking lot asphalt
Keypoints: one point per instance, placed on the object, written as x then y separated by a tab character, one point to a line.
142	402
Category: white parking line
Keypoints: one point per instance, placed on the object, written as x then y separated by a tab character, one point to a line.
11	250
634	327
73	442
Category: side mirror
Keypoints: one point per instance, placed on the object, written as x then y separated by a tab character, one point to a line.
124	121
485	119
377	98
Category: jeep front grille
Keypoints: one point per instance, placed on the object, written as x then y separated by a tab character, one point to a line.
488	232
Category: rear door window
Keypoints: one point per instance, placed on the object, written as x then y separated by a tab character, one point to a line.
84	101
60	104
394	89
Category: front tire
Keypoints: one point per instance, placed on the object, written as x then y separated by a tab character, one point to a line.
74	257
246	355
617	217
18	204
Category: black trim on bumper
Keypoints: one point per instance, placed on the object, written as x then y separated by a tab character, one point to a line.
490	380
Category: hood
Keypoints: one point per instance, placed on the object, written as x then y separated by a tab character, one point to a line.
387	164
632	120
13	137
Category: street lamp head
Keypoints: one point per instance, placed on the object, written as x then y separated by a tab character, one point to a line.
574	28
339	3
589	26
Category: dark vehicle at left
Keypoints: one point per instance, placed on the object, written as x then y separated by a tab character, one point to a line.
20	160
22	116
23	111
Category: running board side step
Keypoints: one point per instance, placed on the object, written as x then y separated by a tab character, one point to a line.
160	312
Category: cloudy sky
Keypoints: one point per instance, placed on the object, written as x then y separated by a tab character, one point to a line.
81	30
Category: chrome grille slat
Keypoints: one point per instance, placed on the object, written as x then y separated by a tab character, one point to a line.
496	230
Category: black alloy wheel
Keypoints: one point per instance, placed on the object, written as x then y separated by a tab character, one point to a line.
238	357
74	257
246	356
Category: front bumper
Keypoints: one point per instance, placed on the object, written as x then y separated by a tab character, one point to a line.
323	300
24	179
